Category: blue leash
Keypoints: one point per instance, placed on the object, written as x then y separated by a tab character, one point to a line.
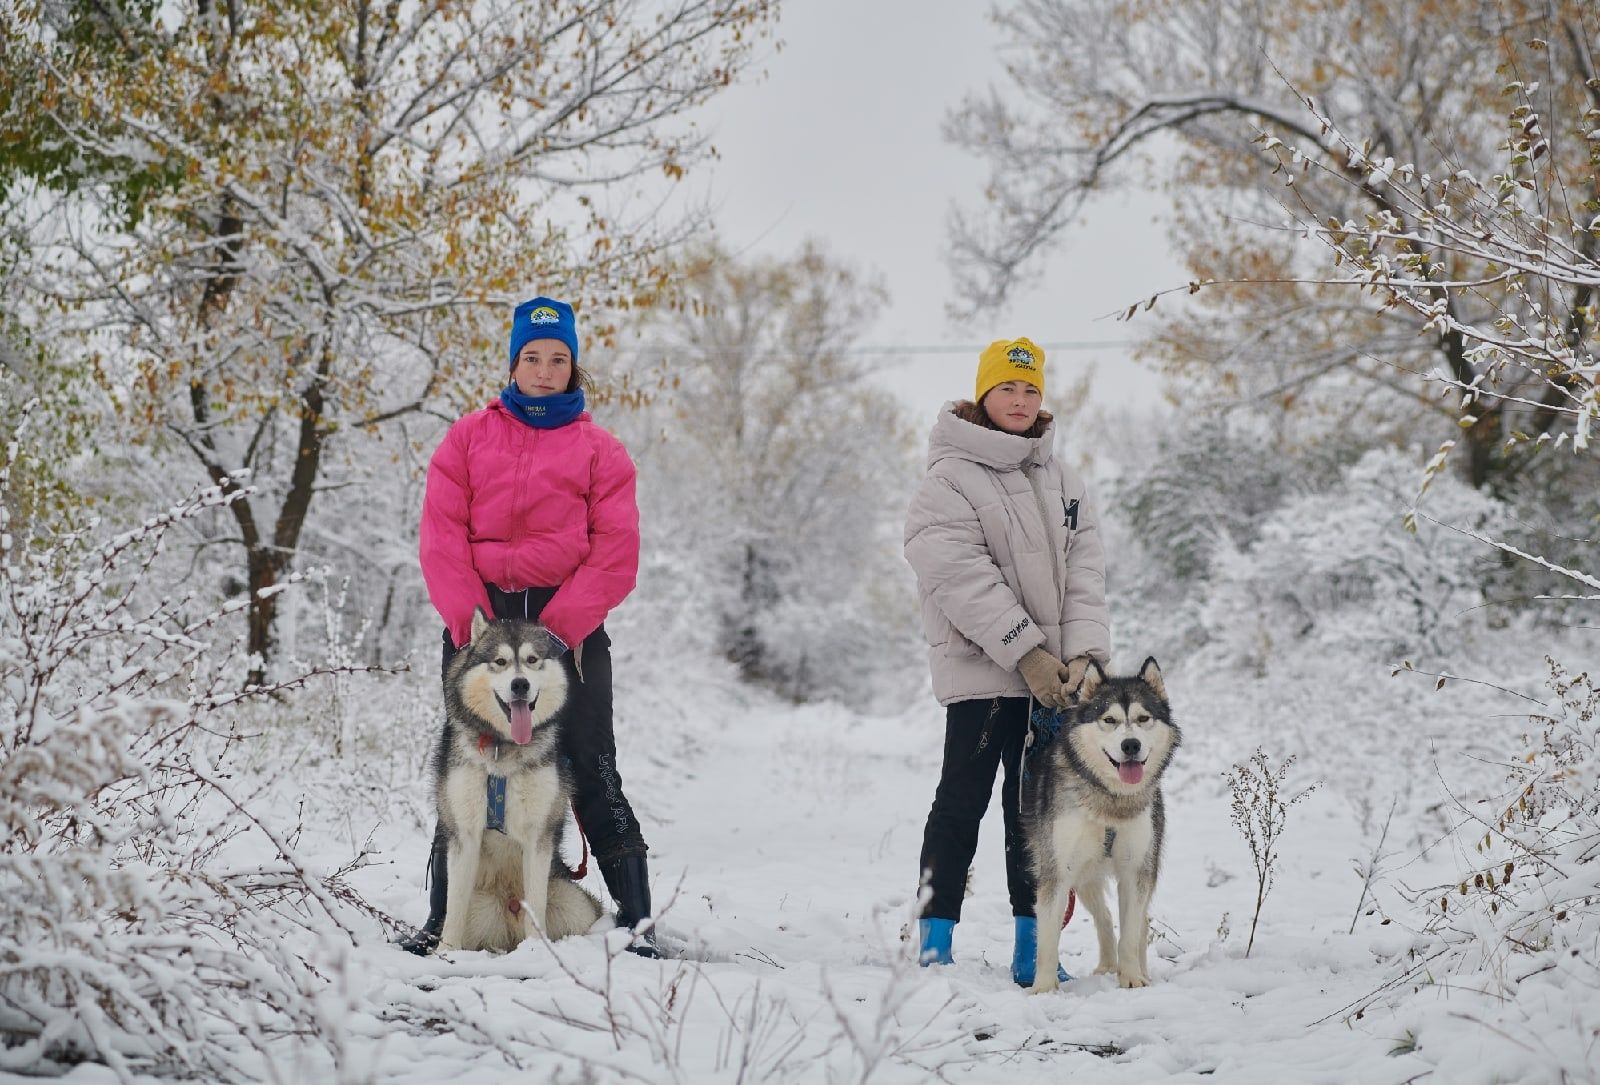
1044	724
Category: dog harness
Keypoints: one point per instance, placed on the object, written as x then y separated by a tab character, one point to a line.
495	811
496	818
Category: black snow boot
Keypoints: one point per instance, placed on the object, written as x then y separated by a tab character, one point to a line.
425	941
628	880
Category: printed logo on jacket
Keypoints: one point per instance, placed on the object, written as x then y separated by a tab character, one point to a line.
1016	631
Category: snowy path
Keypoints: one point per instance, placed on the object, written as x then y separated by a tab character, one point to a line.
795	835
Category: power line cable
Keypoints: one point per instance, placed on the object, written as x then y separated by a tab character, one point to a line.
936	348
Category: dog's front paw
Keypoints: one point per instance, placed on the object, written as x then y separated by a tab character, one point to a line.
1132	979
1107	968
1046	983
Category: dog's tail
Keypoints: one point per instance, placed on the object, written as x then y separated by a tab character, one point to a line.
572	909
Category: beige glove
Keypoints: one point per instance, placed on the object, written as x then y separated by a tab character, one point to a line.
1047	677
1077	667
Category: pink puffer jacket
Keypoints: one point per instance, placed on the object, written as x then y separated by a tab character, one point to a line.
519	507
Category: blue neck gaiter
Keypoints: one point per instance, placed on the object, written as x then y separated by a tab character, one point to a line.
542	412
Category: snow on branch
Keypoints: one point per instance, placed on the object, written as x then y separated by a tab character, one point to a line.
1441	238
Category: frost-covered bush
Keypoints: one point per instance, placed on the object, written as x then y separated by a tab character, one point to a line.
1513	940
1174	508
1208	489
130	934
1336	570
837	647
1536	887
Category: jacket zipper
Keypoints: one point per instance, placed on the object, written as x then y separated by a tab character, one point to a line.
525	439
1044	523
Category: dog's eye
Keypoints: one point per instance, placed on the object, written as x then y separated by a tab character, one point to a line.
498	663
1111	721
1142	721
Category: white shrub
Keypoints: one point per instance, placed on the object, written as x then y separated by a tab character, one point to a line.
1337	571
128	936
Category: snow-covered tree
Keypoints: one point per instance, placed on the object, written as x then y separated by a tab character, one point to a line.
1517	237
777	470
1176	93
285	227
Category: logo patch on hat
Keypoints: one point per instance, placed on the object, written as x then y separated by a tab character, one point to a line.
1021	357
544	315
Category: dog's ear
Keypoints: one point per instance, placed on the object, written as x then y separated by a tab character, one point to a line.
1150	674
1093	679
480	625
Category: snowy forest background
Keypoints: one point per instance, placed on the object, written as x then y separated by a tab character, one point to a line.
255	258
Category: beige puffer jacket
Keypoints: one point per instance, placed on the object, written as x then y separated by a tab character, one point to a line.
1007	552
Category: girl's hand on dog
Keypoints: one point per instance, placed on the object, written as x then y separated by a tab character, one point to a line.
1047	678
1077	667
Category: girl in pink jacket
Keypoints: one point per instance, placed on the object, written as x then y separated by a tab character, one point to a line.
530	513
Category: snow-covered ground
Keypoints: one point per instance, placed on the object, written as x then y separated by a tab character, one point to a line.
785	842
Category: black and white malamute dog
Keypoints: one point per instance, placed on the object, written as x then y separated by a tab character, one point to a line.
1092	813
501	792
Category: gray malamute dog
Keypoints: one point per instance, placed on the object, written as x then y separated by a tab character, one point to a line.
1092	813
502	794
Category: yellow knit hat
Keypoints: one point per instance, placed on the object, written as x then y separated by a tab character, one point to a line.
1009	360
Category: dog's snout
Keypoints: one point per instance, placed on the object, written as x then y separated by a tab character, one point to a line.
1130	747
519	689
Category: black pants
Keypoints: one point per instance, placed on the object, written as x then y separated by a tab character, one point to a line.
587	740
978	736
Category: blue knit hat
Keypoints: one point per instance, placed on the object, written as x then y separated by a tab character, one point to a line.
543	318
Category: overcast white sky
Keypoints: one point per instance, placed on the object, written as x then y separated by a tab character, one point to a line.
841	141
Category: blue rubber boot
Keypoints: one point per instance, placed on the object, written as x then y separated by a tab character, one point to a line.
935	941
1025	951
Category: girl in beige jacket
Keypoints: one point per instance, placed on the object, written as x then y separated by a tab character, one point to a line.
1011	574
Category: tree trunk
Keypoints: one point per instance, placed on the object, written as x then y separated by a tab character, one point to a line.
267	562
264	571
1483	446
1484	435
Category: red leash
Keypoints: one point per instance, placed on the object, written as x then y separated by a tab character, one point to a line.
1072	903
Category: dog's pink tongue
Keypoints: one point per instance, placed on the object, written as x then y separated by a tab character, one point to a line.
521	723
1131	772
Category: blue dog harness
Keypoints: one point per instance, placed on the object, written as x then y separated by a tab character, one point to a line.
496	818
495	815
